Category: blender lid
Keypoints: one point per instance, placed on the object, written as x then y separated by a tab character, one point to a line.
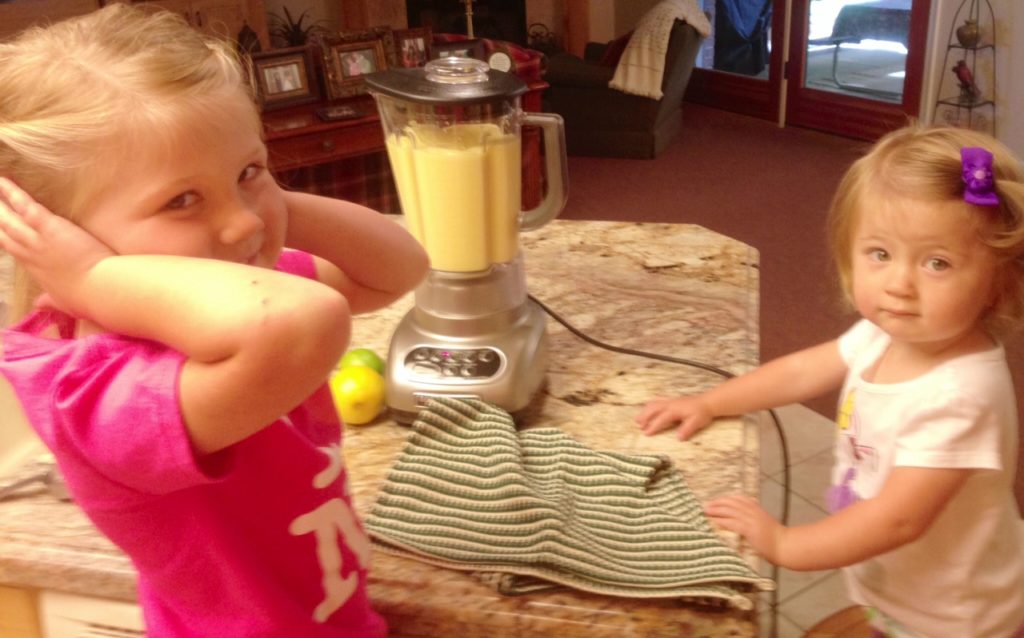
445	81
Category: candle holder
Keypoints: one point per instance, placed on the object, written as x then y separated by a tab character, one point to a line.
469	17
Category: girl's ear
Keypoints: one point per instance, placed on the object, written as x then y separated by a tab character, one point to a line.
1001	295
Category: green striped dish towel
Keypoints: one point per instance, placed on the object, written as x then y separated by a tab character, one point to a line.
527	509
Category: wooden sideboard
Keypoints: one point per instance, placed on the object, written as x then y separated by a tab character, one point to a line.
296	137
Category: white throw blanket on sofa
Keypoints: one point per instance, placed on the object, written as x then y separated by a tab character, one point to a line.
642	66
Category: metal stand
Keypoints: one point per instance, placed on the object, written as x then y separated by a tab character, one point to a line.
968	99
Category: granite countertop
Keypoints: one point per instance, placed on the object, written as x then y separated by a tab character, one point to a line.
673	289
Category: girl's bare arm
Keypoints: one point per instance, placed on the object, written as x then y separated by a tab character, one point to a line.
909	502
364	255
789	379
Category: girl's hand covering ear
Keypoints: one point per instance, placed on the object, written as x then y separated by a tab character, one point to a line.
57	254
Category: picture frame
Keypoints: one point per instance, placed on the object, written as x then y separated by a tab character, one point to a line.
285	77
472	48
412	47
348	62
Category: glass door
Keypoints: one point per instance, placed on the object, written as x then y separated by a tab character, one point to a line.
850	67
855	66
738	68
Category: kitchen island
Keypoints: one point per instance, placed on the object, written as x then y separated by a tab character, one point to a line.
673	289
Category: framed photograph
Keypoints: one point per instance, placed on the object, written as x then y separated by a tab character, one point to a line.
412	47
285	77
461	48
348	62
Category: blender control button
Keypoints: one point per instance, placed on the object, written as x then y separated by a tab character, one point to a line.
467	370
419	354
449	371
435	358
485	356
425	370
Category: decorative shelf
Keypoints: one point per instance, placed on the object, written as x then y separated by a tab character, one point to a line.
970	65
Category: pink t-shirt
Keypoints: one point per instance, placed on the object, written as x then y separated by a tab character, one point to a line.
259	539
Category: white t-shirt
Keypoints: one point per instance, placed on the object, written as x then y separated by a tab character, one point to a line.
965	576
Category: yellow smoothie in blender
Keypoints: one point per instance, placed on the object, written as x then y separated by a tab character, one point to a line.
460	192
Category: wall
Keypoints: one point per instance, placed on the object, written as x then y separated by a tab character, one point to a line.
326	11
627	14
611	18
550	13
1009	32
1013	122
547	12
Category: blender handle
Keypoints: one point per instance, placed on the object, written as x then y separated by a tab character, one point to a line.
556	169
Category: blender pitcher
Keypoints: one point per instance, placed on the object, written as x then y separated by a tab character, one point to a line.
453	136
452	132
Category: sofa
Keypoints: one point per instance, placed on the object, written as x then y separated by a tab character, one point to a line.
605	122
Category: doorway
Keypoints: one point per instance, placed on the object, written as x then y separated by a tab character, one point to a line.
854	66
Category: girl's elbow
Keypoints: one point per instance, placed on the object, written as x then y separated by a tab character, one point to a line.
334	324
317	326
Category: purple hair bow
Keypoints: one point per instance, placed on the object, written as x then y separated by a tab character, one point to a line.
979	185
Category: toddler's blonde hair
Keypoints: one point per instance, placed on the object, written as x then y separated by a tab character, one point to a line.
923	164
80	94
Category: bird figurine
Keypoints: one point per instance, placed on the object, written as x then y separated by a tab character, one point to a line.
968	89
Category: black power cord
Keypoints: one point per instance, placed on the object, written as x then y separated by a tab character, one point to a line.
783	446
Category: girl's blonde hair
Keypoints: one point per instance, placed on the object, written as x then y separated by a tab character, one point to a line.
924	164
79	94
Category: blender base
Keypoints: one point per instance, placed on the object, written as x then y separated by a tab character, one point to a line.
506	368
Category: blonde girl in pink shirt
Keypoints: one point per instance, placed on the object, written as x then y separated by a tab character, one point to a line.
175	362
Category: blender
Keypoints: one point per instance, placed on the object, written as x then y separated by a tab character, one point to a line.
453	134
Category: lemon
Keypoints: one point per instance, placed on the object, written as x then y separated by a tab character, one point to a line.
358	393
362	357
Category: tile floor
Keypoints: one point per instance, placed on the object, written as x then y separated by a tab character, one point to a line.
804	597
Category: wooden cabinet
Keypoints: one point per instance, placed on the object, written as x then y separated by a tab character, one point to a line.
223	18
296	137
18	613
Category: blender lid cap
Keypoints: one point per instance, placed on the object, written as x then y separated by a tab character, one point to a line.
445	81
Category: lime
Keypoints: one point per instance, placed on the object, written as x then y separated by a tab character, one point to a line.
362	357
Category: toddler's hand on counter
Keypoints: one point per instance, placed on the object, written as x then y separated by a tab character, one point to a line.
690	413
741	514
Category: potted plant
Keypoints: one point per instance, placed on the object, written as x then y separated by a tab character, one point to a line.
291	32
